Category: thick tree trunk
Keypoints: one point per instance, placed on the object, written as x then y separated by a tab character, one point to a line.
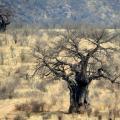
78	98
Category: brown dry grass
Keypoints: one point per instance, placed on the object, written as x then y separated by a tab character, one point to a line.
17	64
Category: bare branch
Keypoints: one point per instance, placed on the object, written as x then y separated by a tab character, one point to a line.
86	62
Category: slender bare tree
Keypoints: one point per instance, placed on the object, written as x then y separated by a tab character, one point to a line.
67	59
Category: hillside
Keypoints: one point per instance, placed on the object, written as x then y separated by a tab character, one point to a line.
58	12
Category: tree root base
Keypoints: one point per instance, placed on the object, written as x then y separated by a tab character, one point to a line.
81	110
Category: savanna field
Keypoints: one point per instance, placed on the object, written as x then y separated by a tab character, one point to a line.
23	97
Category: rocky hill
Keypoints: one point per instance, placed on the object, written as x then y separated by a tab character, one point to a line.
57	12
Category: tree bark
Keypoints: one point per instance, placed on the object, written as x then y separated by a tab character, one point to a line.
78	98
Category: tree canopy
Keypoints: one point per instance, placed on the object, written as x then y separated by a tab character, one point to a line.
68	52
79	57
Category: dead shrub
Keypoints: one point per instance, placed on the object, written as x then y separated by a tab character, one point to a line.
36	106
19	117
23	107
26	56
89	112
33	106
7	88
96	113
60	117
2	55
114	113
22	72
99	117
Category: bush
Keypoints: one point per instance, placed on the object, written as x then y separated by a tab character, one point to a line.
2	58
7	88
22	72
114	113
19	117
32	106
36	106
23	107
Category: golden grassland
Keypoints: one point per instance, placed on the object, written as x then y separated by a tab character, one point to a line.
16	62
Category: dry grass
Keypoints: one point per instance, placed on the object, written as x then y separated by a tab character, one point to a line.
16	64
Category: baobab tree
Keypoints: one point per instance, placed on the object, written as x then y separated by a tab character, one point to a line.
68	59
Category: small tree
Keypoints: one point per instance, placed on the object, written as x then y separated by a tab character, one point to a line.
5	14
67	60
